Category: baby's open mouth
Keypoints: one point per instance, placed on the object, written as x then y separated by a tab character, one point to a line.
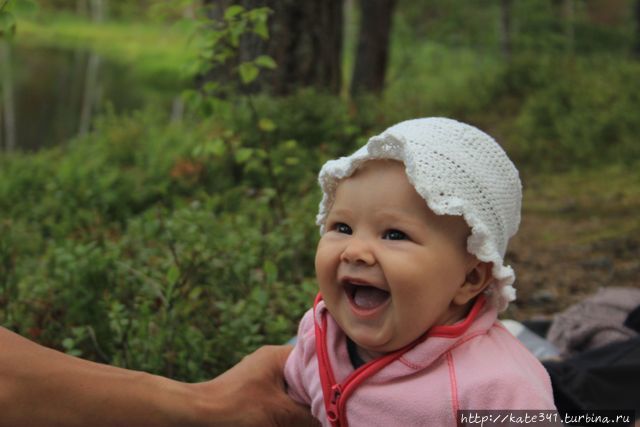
364	296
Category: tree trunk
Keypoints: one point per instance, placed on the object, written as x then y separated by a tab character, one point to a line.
189	11
82	8
177	109
305	40
505	28
636	15
90	97
91	91
569	12
97	10
7	96
373	45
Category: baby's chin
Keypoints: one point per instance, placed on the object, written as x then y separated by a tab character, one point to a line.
369	351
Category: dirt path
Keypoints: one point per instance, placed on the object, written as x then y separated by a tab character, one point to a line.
578	233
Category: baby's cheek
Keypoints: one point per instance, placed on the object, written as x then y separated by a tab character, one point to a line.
321	258
327	254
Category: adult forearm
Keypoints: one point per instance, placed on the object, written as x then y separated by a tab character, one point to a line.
43	387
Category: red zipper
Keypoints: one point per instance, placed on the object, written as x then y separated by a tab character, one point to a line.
336	395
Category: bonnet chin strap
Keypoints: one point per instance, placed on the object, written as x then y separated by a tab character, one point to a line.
324	365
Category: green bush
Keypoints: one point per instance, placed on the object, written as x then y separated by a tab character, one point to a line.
432	80
585	115
139	246
551	111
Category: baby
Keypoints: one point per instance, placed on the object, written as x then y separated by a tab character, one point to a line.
404	331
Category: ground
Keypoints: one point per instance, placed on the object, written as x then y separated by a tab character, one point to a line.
580	231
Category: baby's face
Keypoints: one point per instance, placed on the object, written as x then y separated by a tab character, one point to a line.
388	267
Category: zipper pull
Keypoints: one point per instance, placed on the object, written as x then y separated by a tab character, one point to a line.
333	413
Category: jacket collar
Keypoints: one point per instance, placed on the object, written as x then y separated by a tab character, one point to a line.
423	352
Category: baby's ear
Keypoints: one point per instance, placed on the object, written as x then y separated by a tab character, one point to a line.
477	279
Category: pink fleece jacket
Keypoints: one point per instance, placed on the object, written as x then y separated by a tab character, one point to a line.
474	364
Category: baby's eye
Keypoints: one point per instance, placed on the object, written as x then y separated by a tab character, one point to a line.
395	235
341	227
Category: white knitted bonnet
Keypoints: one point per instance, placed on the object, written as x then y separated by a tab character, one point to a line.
458	170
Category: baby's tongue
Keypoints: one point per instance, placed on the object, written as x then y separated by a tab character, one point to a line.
369	297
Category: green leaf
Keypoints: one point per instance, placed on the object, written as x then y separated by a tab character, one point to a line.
259	18
235	32
217	147
25	7
260	296
270	270
248	72
266	125
233	11
265	61
68	343
243	154
211	87
7	23
262	30
195	293
269	192
173	274
290	144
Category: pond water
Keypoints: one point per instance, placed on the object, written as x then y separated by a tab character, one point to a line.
55	94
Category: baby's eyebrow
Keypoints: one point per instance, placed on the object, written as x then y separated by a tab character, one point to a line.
340	212
398	215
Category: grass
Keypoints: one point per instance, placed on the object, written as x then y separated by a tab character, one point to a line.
594	204
150	48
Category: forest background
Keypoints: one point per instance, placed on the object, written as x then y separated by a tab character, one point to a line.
158	158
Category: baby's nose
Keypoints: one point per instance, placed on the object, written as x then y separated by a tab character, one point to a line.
358	251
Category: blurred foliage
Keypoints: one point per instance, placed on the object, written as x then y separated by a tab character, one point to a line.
220	65
551	112
536	26
122	9
585	114
562	100
160	53
178	247
8	11
167	247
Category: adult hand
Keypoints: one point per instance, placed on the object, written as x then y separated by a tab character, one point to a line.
252	393
43	387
